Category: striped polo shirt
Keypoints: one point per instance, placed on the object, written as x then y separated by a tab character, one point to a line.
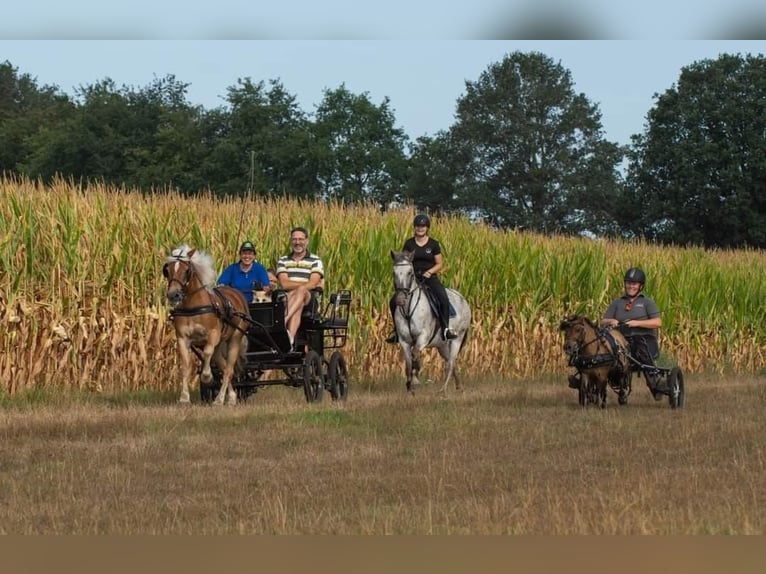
300	271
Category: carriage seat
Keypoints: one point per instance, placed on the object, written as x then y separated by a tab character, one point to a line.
643	348
312	310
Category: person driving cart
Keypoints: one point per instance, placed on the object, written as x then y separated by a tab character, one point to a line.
638	318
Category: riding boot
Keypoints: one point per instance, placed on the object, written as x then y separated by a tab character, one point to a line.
447	333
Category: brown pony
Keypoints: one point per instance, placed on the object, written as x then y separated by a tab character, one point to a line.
600	357
211	321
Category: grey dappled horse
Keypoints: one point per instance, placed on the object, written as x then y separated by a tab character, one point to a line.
417	326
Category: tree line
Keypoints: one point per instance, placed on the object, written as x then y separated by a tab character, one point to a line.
525	150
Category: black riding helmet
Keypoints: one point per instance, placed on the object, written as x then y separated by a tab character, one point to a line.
421	219
635	275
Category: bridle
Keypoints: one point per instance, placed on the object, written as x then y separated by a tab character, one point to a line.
595	360
184	282
407	291
582	345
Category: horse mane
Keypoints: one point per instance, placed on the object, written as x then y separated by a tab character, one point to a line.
202	262
571	319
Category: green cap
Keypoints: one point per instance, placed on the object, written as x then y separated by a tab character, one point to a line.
247	246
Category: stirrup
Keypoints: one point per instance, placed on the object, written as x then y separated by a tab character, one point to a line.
449	334
393	338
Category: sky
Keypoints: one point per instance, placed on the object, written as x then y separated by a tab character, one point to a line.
423	79
392	20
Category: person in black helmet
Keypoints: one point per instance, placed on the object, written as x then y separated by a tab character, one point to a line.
639	316
427	261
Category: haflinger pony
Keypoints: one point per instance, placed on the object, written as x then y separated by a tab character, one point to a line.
212	320
418	326
600	357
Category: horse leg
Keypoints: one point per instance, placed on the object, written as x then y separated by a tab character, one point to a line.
448	351
602	392
414	381
184	349
407	354
232	356
206	375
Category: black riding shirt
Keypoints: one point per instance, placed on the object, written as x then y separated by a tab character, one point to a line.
425	256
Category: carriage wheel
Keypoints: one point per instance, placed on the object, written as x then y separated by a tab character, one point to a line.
677	394
207	393
624	393
313	381
592	393
338	375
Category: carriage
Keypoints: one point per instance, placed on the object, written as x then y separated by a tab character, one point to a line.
662	381
270	358
612	358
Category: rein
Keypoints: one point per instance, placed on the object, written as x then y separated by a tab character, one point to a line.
414	287
592	361
223	312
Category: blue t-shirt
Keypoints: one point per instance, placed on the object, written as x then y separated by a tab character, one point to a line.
243	280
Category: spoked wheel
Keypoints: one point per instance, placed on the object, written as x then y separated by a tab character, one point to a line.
677	394
593	394
625	388
338	375
208	392
313	383
588	393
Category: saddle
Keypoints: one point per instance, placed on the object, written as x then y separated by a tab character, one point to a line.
433	302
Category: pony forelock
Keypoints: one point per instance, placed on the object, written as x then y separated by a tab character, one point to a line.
202	261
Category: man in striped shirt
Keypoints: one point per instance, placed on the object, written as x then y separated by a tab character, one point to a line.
298	273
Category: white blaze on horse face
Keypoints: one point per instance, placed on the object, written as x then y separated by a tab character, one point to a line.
175	292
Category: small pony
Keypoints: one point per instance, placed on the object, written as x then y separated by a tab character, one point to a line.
211	321
418	328
601	357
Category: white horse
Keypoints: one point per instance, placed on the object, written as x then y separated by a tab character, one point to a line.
419	328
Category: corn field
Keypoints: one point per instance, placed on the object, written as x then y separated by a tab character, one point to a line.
82	293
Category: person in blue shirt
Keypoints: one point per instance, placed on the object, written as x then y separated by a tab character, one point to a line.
242	274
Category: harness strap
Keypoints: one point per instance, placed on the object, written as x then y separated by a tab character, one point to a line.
193	311
580	362
613	357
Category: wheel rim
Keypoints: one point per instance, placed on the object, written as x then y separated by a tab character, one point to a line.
676	384
338	374
312	377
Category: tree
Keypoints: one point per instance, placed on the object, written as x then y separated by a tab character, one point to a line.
267	134
144	138
529	151
698	173
362	153
431	184
25	109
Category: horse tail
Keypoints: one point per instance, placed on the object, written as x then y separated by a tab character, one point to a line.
465	338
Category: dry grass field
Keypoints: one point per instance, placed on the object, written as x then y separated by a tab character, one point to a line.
499	457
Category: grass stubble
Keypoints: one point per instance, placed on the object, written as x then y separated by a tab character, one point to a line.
500	457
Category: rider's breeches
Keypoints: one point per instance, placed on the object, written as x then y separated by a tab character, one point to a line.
441	295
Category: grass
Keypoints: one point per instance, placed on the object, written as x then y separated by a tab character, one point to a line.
500	457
